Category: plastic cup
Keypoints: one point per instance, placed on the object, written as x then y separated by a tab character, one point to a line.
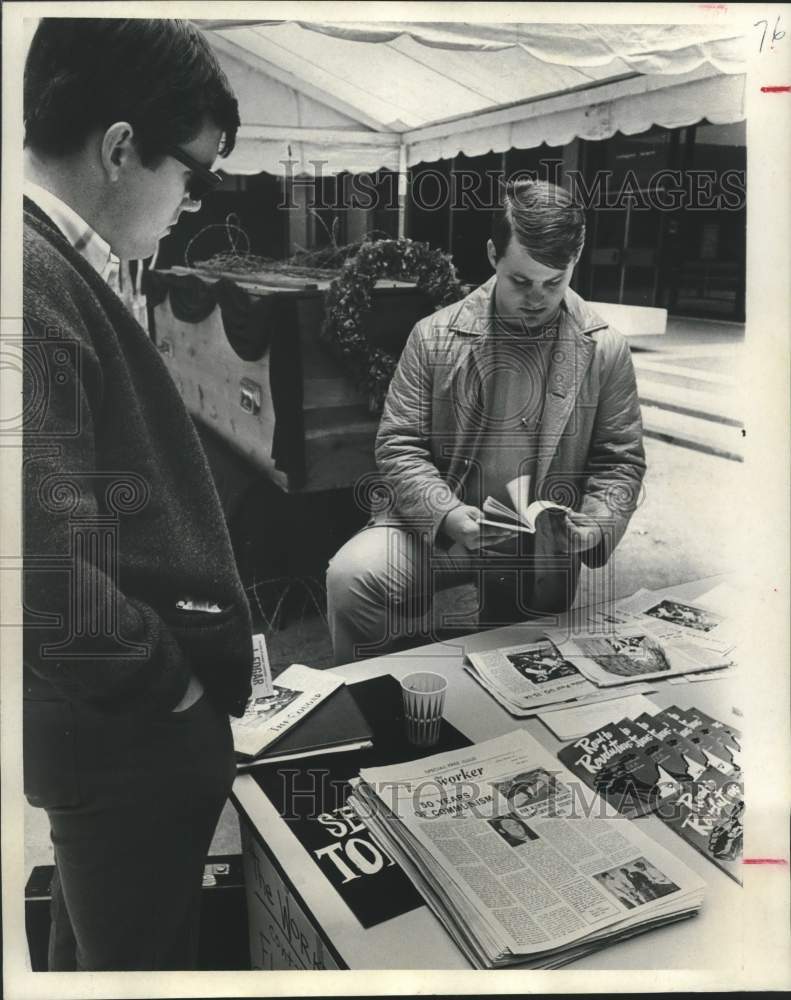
424	699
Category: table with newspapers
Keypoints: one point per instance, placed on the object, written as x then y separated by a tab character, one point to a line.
489	851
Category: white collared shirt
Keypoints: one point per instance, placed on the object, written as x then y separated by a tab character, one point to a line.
85	240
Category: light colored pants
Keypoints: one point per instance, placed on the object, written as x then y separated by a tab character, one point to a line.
380	587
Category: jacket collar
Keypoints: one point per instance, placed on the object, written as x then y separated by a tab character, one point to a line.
569	365
476	313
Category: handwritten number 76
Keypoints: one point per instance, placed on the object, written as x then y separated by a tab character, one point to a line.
777	34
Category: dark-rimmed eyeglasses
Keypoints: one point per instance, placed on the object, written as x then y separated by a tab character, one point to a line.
201	179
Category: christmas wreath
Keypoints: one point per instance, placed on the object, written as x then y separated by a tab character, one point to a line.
349	298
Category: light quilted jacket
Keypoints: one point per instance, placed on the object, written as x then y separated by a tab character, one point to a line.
590	454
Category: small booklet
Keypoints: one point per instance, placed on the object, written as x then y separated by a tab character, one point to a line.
524	515
335	726
709	815
707	810
299	689
705	743
696	787
610	762
728	737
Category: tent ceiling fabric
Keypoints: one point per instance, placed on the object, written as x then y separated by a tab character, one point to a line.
338	152
717	99
643	48
403	77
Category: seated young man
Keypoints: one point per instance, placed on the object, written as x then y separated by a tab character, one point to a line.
521	379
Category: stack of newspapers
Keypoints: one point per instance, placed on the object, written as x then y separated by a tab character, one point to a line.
646	638
520	862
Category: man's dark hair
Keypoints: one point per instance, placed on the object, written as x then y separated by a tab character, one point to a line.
84	74
544	220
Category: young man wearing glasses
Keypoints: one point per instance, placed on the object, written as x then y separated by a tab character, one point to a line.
138	636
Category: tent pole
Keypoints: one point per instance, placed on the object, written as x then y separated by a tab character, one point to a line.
402	185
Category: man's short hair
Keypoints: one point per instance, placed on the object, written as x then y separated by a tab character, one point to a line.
84	74
543	219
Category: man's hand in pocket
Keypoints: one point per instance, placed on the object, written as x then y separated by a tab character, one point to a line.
191	695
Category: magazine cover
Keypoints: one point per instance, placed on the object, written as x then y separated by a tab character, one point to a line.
705	744
608	761
298	690
671	764
709	815
722	740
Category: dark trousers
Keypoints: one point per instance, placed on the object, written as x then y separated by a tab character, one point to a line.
133	805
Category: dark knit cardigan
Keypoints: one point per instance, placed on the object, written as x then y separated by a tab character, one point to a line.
121	517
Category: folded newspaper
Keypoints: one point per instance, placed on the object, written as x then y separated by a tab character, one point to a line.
707	621
648	637
520	862
617	653
527	677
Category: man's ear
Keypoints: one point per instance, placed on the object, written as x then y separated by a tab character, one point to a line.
117	149
491	253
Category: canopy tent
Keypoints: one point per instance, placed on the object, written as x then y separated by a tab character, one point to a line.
362	96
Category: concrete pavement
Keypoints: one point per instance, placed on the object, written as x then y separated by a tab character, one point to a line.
688	385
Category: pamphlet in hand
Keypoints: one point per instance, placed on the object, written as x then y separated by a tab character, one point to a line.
524	515
298	690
